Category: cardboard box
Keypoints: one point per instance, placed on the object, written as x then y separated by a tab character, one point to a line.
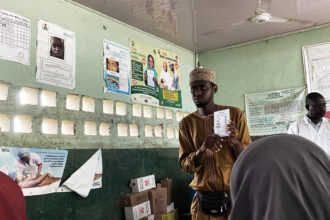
150	217
158	201
138	211
170	208
143	183
168	183
174	215
133	199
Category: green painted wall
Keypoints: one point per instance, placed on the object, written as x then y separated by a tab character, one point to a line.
262	66
124	158
88	27
119	167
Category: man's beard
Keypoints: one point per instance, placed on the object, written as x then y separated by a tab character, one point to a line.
316	116
201	105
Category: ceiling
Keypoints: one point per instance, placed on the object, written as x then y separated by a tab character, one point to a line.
204	25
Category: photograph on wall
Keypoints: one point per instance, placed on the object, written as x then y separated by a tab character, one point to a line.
169	79
272	112
317	70
15	36
56	55
116	68
36	171
145	88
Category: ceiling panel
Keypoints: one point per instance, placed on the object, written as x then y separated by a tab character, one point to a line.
203	25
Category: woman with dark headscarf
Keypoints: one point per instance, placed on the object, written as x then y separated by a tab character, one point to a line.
284	177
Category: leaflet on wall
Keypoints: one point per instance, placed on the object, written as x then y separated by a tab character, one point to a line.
15	35
155	76
273	112
56	55
36	171
116	68
169	80
87	177
317	70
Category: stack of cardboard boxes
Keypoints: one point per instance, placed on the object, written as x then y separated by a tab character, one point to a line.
148	201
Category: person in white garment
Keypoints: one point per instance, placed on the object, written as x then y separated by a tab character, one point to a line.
314	126
28	168
175	82
165	77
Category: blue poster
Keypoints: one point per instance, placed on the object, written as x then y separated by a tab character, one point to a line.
116	68
36	171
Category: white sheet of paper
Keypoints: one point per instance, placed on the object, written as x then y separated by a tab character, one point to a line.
56	55
221	118
15	36
82	181
151	75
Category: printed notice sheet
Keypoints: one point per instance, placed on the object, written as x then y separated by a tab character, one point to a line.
273	112
221	119
116	68
317	70
15	35
56	55
36	171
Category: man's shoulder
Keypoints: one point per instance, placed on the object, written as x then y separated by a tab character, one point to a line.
327	121
298	122
189	117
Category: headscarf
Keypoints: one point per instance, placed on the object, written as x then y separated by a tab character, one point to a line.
284	177
198	74
23	152
12	204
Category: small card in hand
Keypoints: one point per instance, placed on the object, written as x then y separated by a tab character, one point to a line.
221	118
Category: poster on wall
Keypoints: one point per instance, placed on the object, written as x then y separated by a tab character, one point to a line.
144	76
116	64
36	171
56	55
169	79
272	112
155	76
317	70
15	35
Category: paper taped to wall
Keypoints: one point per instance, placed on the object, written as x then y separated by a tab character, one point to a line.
87	177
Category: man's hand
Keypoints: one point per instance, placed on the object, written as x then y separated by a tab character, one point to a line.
211	142
232	138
